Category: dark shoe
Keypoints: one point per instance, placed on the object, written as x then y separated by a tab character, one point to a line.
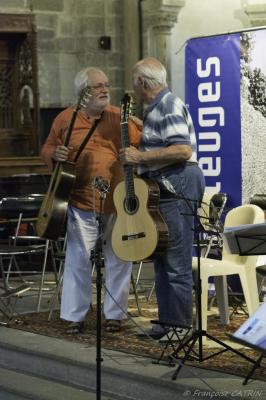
75	328
151	334
113	325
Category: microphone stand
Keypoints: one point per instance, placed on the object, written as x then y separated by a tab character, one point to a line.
98	260
198	333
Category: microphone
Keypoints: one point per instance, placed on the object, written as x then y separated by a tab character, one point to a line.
101	184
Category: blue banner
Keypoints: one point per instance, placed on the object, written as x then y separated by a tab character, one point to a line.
212	68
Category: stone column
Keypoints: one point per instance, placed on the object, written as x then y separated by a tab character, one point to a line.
256	14
159	17
131	40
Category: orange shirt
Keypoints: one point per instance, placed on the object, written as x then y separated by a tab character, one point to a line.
98	158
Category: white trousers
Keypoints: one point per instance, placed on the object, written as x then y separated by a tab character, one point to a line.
82	233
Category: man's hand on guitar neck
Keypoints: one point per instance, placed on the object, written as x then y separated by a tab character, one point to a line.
130	155
61	153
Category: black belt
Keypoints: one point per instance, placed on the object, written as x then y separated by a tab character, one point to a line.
168	168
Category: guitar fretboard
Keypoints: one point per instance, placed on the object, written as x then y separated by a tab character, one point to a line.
128	169
124	134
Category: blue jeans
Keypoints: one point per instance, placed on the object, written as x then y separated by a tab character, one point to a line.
173	270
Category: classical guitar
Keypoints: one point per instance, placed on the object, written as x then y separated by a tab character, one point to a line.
139	230
52	215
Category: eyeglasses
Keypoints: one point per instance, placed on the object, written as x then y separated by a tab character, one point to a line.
100	86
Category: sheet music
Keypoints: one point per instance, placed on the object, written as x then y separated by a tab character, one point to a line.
245	237
253	331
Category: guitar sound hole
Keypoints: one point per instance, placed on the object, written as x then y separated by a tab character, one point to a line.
131	205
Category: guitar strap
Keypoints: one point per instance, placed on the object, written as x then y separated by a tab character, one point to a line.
87	138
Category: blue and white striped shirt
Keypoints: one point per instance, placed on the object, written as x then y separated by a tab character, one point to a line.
166	122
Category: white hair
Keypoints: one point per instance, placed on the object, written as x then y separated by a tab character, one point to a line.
82	79
152	71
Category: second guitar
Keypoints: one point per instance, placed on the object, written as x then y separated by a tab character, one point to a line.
139	230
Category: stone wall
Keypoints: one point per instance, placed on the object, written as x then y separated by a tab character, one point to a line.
68	33
253	144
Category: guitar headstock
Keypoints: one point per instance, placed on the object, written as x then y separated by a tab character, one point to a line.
83	98
126	110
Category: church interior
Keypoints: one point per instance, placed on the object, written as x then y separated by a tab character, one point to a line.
43	44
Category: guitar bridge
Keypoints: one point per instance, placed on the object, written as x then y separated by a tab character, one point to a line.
133	236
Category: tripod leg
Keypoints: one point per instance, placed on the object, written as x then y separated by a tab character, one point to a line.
135	293
193	340
256	365
225	348
170	362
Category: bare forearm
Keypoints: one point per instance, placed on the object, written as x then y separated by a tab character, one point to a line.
171	154
174	153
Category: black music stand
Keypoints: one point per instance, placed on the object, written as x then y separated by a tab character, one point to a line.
98	260
199	333
246	241
249	240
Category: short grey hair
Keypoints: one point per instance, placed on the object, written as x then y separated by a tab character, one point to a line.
82	79
152	71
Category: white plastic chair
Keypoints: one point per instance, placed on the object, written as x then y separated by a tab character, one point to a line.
231	264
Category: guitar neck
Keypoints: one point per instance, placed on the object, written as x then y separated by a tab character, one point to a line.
124	134
80	103
128	169
70	127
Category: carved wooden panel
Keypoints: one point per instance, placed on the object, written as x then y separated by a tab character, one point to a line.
6	107
19	102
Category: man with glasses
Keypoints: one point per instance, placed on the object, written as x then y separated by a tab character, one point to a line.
99	158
